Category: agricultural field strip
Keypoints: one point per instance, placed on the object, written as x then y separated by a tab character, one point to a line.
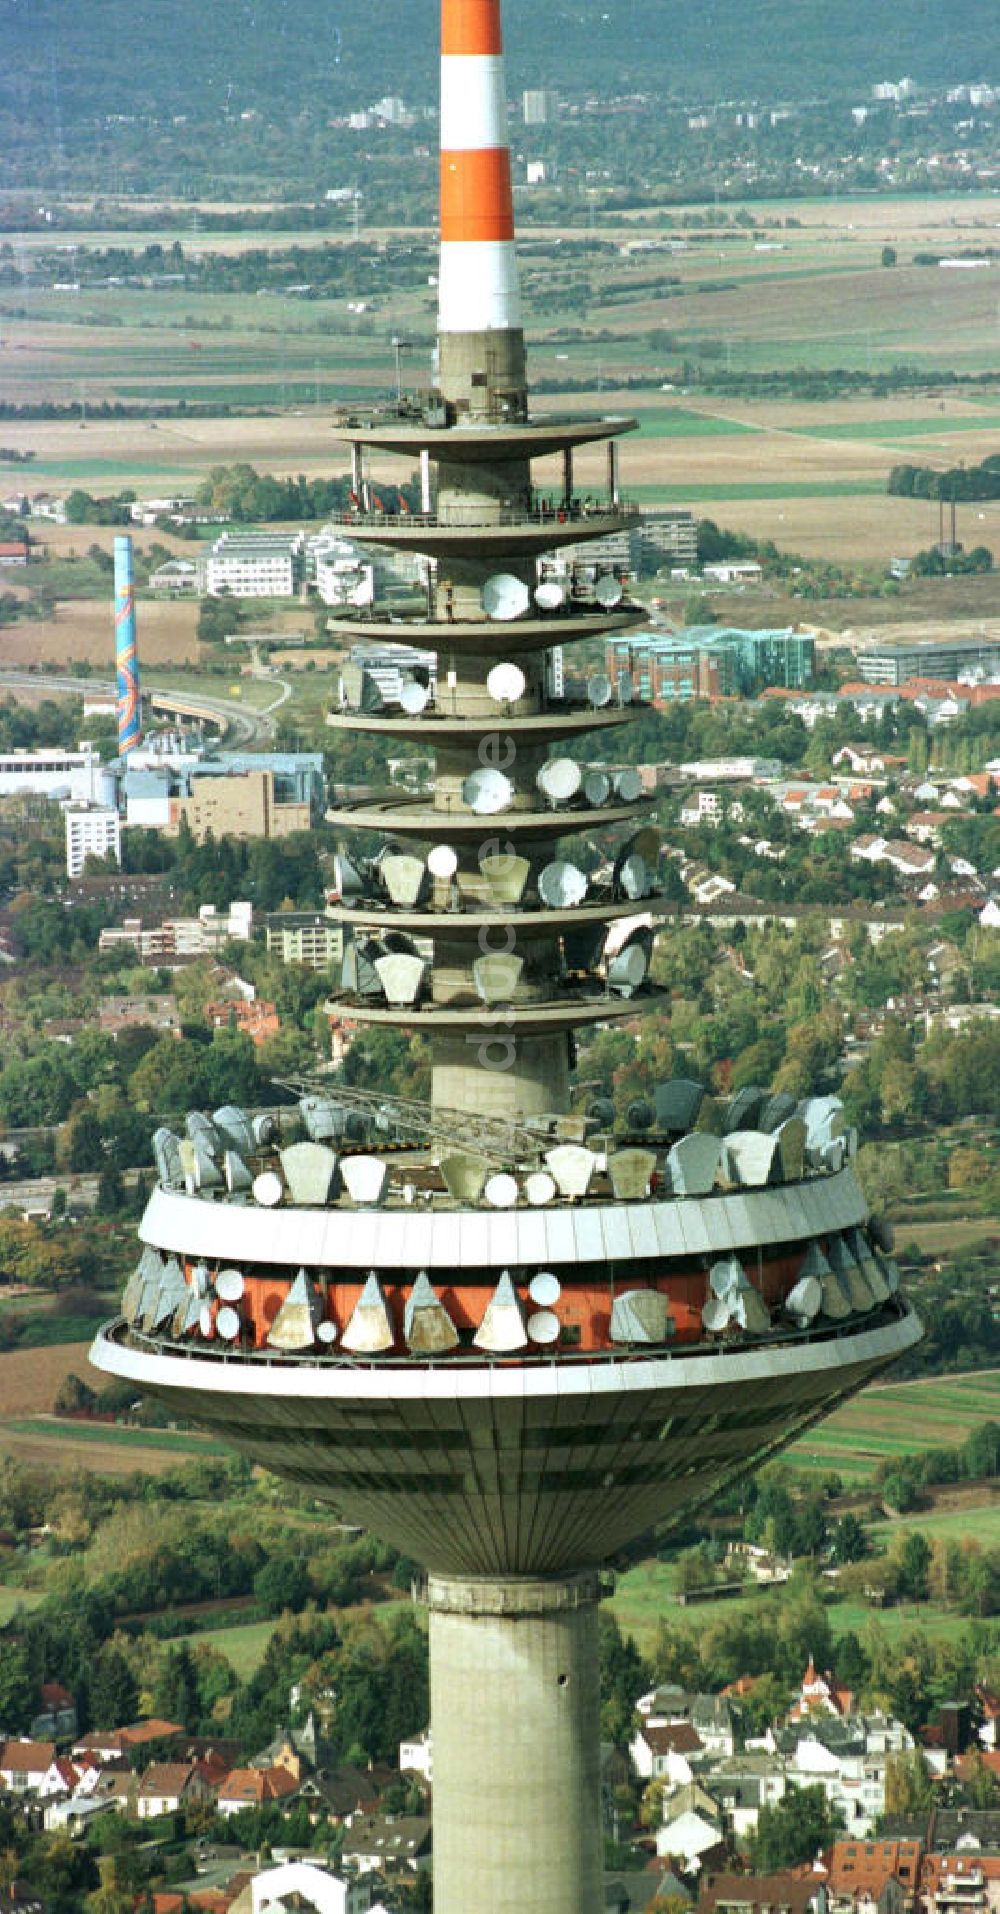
63	1429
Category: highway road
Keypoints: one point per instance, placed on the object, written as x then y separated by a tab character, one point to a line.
241	724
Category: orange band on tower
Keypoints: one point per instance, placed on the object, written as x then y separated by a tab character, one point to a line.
471	26
476	199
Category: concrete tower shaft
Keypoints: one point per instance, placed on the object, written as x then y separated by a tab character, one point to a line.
126	649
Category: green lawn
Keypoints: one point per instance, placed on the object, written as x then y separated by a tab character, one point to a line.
11	1599
644	1596
706	494
180	1441
889	429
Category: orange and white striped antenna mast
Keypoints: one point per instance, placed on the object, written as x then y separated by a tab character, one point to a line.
481	343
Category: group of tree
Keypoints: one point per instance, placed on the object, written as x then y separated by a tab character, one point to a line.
958	482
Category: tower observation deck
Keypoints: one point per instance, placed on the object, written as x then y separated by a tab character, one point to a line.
505	1337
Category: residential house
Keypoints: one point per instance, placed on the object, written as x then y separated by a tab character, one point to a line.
29	1767
57	1716
168	1786
666	1751
387	1843
821	1694
861	1871
416	1756
692	1830
254	1788
796	1891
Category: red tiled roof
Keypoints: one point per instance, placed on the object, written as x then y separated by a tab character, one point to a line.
27	1757
671	1737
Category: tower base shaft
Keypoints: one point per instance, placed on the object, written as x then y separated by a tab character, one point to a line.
515	1716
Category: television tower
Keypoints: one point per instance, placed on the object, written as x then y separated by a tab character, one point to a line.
507	1338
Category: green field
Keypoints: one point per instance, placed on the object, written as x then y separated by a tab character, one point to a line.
11	1599
181	1442
897	1419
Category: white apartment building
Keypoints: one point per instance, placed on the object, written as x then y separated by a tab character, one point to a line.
56	773
92	830
256	564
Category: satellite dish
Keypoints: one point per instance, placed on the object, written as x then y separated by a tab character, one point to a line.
627	970
625	692
545	1289
205	1320
639	1114
487	791
322	1119
506	683
549	595
235	1129
539	1188
603	1111
413	697
743	1109
596	789
678	1102
310	1171
561	886
631	1173
326	1332
631	875
166	1150
442	861
608	590
543	1326
599	689
504	596
628	785
559	779
715	1316
268	1189
229	1285
501	1191
203	1133
583	949
200	1279
693	1164
366	1177
427	1326
264	1131
228	1324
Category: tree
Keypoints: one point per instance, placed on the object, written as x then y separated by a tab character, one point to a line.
889	255
73	1397
19	1694
793	1830
908	1789
176	1693
914	1563
114	1696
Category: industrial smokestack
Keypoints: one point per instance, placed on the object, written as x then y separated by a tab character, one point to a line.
479	306
126	651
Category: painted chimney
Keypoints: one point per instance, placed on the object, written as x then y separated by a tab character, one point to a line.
126	651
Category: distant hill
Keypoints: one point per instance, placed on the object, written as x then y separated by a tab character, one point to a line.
65	67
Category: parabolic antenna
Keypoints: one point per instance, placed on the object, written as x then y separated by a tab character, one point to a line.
608	590
559	779
603	1112
628	785
442	861
627	970
639	1114
347	881
543	1326
561	886
545	1289
715	1315
227	1323
413	697
549	595
504	596
506	683
596	789
268	1189
805	1298
264	1130
487	790
539	1188
326	1332
583	949
599	690
633	876
200	1279
501	1191
205	1320
229	1285
625	692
